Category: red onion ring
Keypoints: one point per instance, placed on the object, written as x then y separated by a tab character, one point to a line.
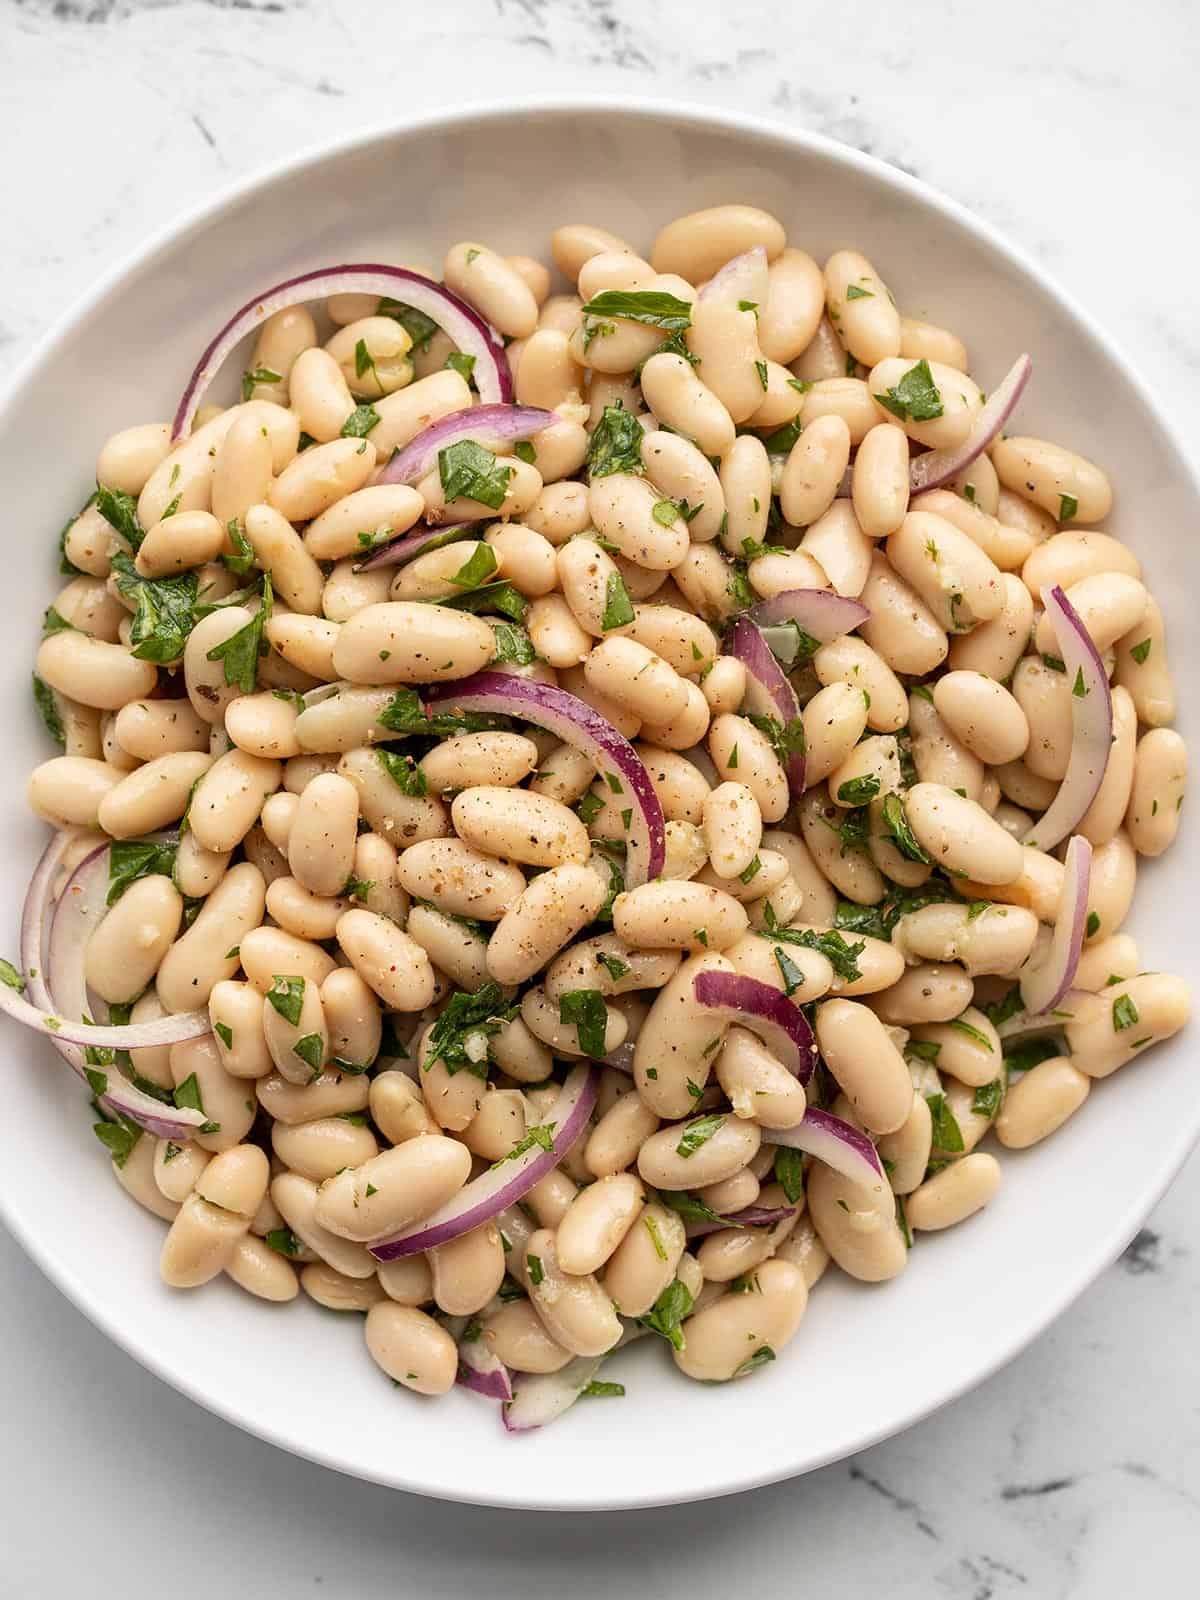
778	1021
835	1142
1044	987
574	722
768	692
464	326
490	426
403	550
937	467
480	1370
504	1184
1091	720
822	614
748	1217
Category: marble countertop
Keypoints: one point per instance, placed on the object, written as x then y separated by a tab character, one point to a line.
1076	1471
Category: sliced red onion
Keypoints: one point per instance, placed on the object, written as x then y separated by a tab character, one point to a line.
937	467
742	279
778	1021
839	1145
464	326
540	1398
747	1217
44	1014
403	550
505	1183
575	722
1032	1024
1091	724
1044	987
490	426
482	1371
822	614
768	692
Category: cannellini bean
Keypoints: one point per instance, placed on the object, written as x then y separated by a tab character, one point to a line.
1005	547
695	245
795	300
394	966
1111	1027
758	1085
458	879
1108	604
713	1148
550	911
678	915
209	950
724	338
394	1189
1067	485
323	474
130	940
954	1194
402	641
1159	780
576	1311
721	1341
127	459
927	992
596	1221
959	836
865	1062
92	671
732	828
614	1142
413	1349
227	801
679	397
983	714
901	628
1142	668
856	1224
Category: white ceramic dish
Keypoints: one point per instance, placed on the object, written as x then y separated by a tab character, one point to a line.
868	1361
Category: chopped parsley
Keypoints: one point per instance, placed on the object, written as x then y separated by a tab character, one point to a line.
253	376
187	1097
1068	505
614	966
616	443
764	376
416	324
286	996
986	1100
585	1011
793	978
406	713
467	469
831	943
895	820
618	608
1139	652
164	610
360	422
533	1265
697	1134
916	397
120	512
478	569
403	771
43	699
283	1241
131	859
465	367
460	1035
1124	1013
668	1313
761	1358
241	651
599	1390
653	307
118	1138
947	1135
311	1050
977	1035
855	293
513	645
789	1172
859	791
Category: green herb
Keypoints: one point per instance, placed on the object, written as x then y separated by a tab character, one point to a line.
240	652
976	1034
669	1311
924	1050
1079	688
1067	507
311	1050
286	995
416	324
500	597
524	451
589	808
533	1265
916	396
785	738
120	512
615	967
761	1358
1009	1005
43	699
689	1206
626	818
986	1100
789	1172
1092	925
478	569
598	1390
1054	664
118	1138
164	614
738	588
895	820
947	1135
660	1249
697	1134
1124	1013
131	859
542	1136
460	1035
464	365
467	469
403	771
879	921
746	1283
55	622
665	513
1028	1054
584	1009
253	376
790	645
855	293
1139	652
225	1033
187	1097
616	443
241	562
652	307
764	376
751	872
830	943
405	713
747	305
781	441
513	644
793	978
859	791
618	608
283	1241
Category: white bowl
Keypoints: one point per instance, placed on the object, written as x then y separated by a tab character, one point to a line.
867	1361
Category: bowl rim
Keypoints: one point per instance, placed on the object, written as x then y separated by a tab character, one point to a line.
1186	1132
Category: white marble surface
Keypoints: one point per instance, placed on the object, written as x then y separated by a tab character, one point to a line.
1075	1472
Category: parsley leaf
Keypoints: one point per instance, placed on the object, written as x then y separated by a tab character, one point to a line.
253	376
467	469
187	1097
653	307
618	608
830	943
895	820
668	1312
615	967
1124	1013
916	396
1067	507
283	1241
859	791
697	1134
855	293
761	1358
616	443
1139	652
501	597
240	652
286	994
360	422
600	1390
120	512
460	1035
973	1033
947	1135
584	1009
514	645
131	859
416	324
789	1172
311	1050
43	699
165	610
118	1138
403	771
478	569
986	1100
405	713
464	366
